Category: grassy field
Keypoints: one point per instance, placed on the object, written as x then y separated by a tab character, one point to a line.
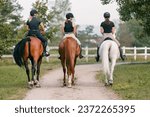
131	81
13	80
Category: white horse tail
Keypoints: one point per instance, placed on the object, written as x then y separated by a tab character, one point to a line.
105	58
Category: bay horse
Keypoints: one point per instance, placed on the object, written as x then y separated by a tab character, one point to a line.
29	48
69	50
109	53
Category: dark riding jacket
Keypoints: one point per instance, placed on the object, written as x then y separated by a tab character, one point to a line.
34	24
107	26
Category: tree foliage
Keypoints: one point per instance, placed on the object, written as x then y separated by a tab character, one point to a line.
10	18
52	17
134	9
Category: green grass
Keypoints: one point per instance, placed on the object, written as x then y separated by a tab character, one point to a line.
131	81
13	80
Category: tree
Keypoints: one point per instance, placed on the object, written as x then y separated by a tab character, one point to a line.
52	17
134	9
10	19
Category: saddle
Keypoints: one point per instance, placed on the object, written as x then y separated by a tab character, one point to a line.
108	38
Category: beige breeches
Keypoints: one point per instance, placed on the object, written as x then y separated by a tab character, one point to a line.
110	35
73	36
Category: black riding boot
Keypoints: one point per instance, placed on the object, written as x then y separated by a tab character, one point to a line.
97	57
80	55
45	53
121	54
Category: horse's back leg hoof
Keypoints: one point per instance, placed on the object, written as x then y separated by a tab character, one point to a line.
73	83
38	86
30	84
69	86
64	84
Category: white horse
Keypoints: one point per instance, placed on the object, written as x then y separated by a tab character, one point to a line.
109	53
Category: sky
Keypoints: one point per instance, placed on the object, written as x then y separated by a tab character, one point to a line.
86	12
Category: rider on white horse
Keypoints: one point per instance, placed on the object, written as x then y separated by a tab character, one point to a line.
69	30
107	28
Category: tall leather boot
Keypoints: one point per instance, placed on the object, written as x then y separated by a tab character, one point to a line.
121	54
45	53
97	57
80	55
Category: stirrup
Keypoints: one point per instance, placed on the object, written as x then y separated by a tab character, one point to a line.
81	56
59	57
46	54
122	57
97	58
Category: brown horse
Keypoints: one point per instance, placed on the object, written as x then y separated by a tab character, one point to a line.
69	50
29	48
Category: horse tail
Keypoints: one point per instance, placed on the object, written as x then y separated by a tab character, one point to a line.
19	52
105	59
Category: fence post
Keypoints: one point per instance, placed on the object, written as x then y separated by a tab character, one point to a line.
134	53
123	50
86	53
145	53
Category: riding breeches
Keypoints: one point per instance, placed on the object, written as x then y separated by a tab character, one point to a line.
109	35
73	36
38	35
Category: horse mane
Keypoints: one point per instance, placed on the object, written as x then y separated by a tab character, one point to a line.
19	51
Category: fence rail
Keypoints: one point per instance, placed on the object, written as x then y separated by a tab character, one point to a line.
128	51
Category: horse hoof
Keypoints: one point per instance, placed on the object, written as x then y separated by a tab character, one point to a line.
73	83
29	87
69	86
38	86
111	84
64	84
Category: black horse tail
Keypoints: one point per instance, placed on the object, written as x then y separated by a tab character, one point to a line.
19	52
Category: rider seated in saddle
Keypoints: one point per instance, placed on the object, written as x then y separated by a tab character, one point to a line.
69	30
33	25
107	28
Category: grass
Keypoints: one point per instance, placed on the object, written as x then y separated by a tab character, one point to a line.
131	81
13	80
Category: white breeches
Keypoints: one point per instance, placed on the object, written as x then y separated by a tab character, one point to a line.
111	36
73	36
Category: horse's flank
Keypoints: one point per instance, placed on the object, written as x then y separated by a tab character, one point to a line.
35	49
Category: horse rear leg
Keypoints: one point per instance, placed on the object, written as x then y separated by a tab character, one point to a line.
28	74
64	71
34	70
111	71
37	83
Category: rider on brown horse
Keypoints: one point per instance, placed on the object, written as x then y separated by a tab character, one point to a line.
69	30
33	26
107	28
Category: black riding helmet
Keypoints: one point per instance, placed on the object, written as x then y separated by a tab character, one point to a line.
32	12
106	15
69	15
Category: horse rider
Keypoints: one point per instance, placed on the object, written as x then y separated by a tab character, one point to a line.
33	25
69	29
107	29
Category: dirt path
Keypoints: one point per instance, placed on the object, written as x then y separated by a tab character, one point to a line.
87	87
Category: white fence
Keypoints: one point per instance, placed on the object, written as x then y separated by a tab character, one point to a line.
128	51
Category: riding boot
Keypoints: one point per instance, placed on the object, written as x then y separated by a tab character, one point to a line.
80	55
45	53
121	54
97	57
